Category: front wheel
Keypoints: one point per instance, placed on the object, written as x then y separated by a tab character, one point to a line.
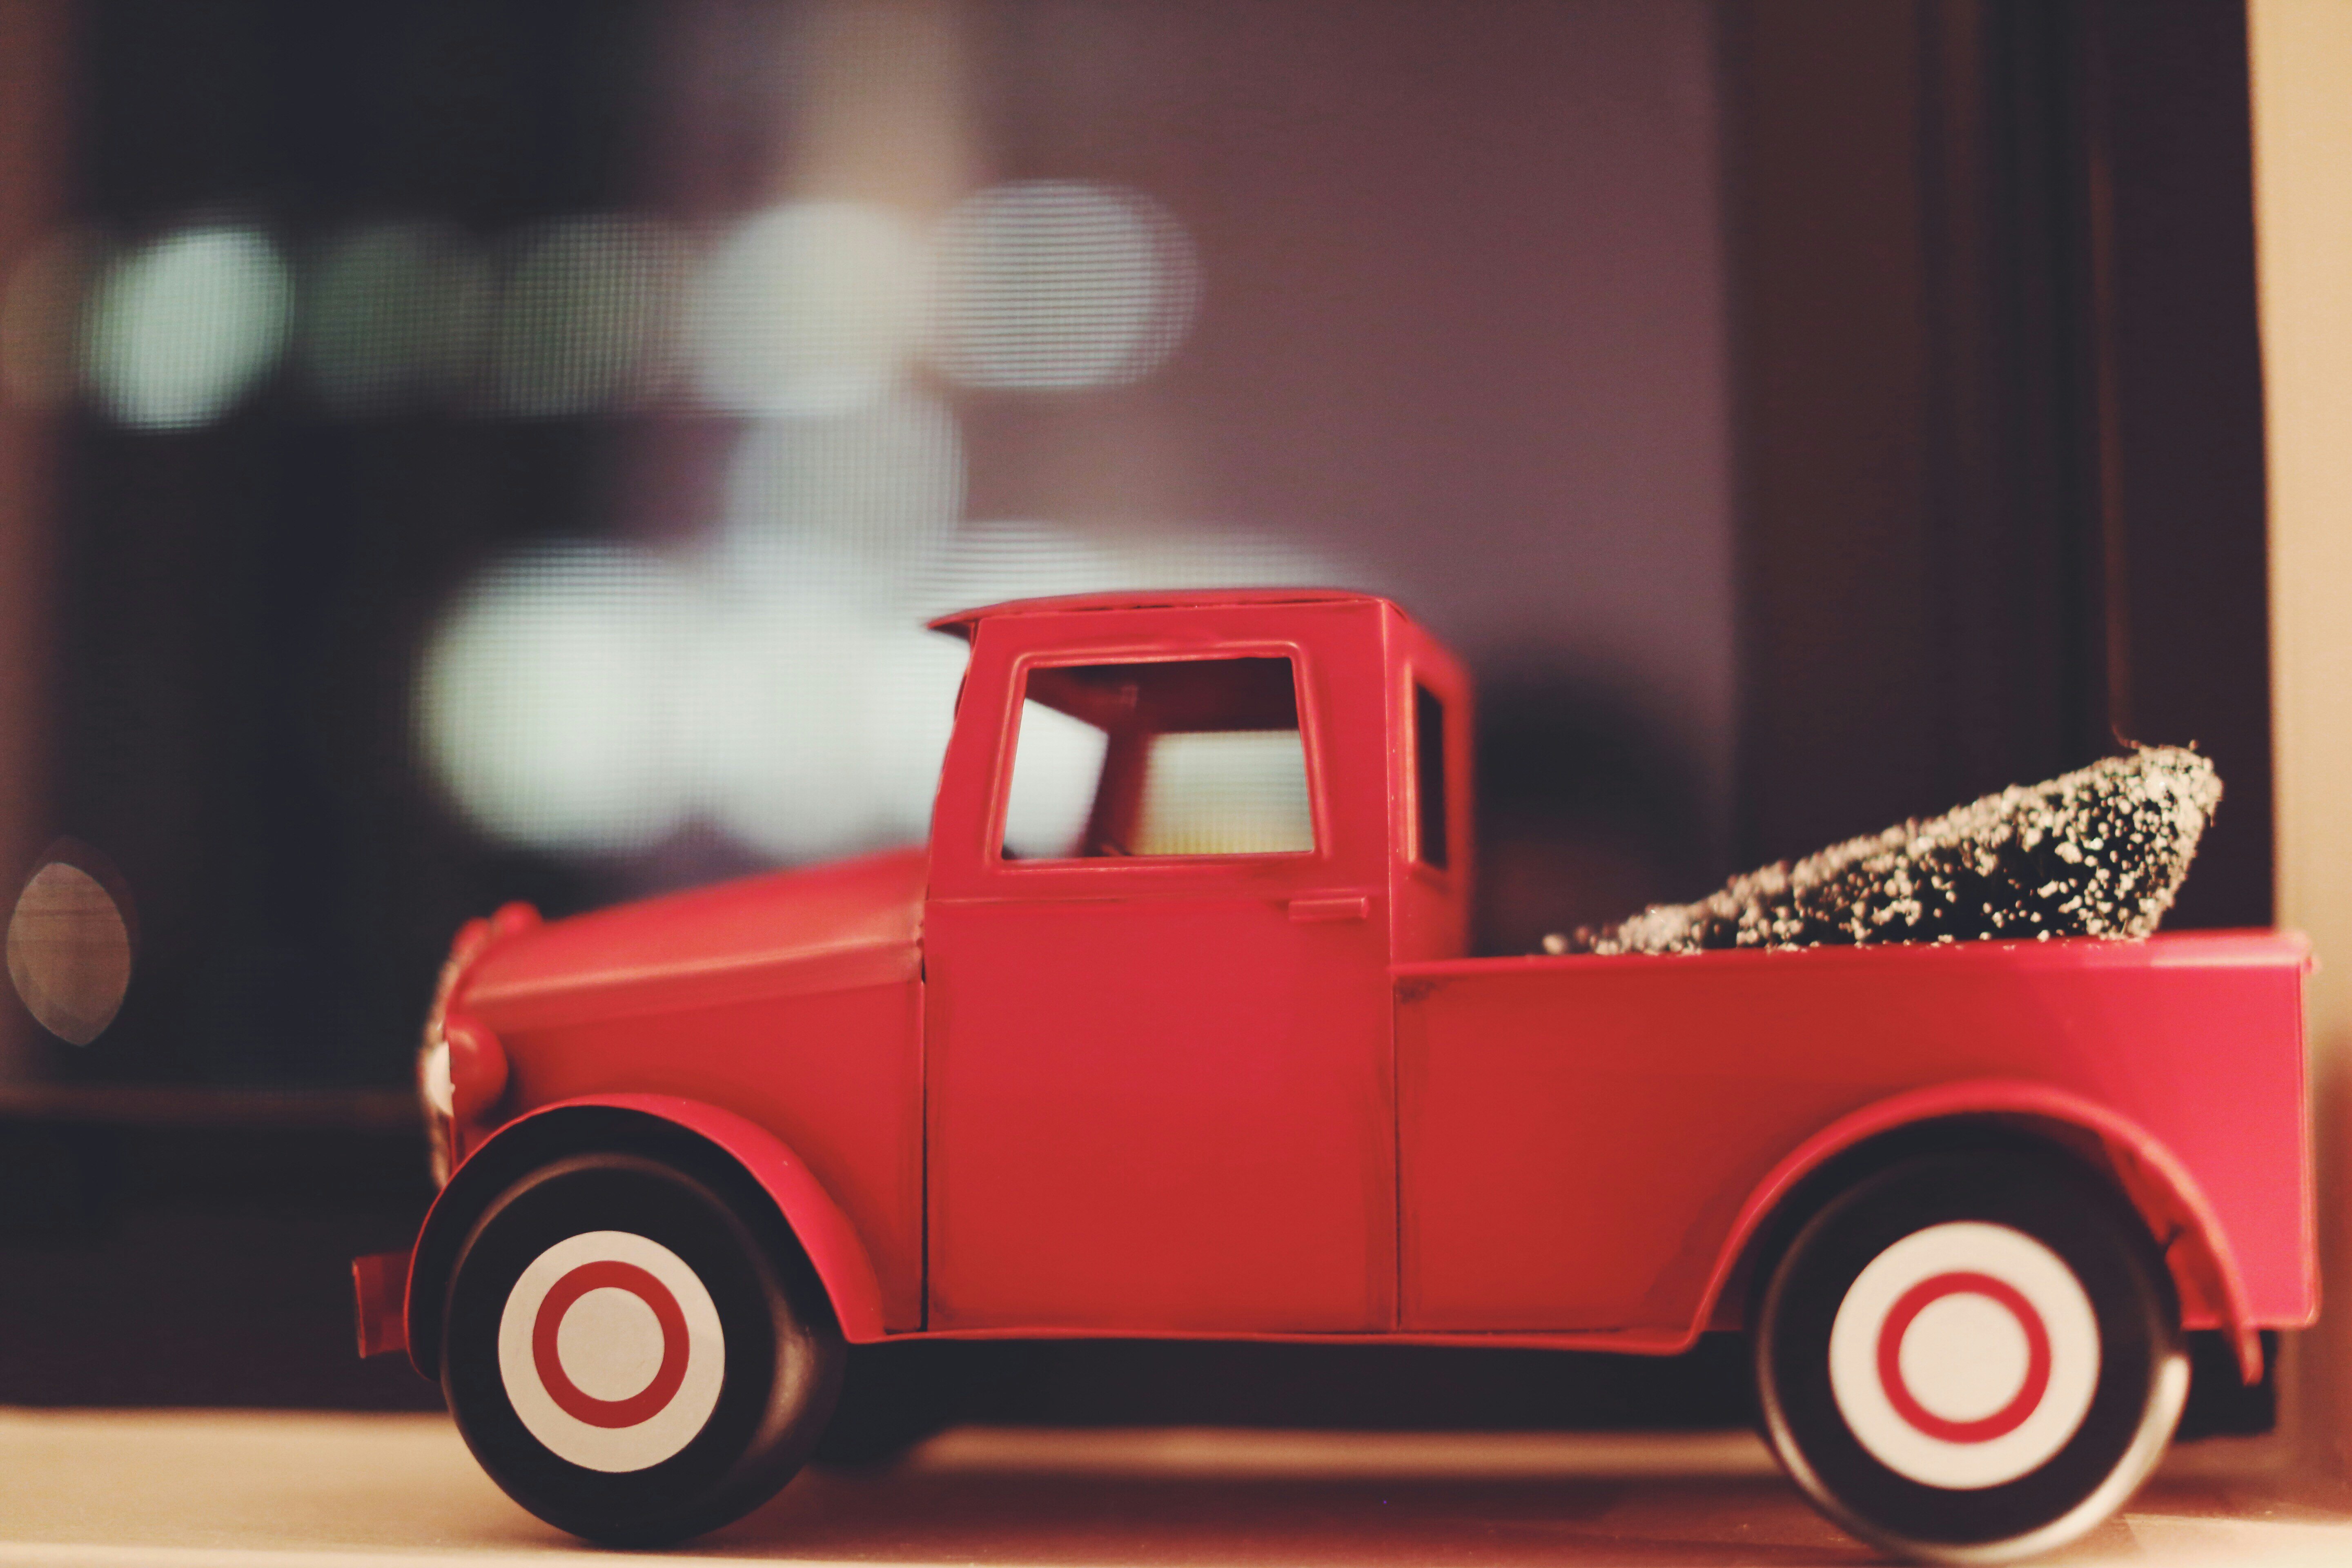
635	1350
1970	1357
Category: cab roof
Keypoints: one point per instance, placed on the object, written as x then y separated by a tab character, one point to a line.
962	622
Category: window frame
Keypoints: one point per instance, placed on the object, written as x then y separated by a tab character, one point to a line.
1318	810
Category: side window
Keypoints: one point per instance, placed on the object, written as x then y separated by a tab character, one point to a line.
1183	757
1429	776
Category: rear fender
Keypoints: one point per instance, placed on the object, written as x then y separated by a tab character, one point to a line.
572	1126
2158	1184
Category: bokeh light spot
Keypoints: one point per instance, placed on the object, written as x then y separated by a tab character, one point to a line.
1241	792
805	698
588	315
70	953
394	313
782	689
991	562
809	308
544	700
885	482
1056	285
182	327
1056	761
988	563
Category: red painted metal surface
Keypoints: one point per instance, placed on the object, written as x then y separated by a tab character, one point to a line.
794	1001
1212	600
1264	1095
1534	1092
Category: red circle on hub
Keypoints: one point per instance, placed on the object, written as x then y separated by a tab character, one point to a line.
1917	1298
570	1398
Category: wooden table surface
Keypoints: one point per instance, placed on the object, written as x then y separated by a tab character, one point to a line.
209	1490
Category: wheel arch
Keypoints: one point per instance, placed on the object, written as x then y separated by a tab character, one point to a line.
2158	1187
824	1233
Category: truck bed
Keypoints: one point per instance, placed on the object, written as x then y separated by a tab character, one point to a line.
1579	1137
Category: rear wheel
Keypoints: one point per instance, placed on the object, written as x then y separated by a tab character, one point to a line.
1970	1357
635	1350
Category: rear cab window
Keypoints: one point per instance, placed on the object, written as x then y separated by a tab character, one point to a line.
1429	839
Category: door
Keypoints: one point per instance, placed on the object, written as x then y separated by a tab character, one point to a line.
1158	1047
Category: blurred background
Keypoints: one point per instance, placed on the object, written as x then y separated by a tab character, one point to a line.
457	452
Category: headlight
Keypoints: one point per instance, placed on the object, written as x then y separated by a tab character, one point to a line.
435	1092
436	1089
432	1079
437	1086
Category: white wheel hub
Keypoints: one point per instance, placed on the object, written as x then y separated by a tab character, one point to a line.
1965	1355
611	1351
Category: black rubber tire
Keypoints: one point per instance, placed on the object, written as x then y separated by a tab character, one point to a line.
2134	1403
780	1368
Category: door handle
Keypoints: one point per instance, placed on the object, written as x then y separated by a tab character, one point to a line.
1330	907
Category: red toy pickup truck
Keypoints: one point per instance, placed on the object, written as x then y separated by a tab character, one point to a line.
1213	1065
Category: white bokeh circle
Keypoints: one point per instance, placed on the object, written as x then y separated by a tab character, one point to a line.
184	326
809	308
777	716
603	1345
1969	1360
1059	285
778	684
884	484
545	700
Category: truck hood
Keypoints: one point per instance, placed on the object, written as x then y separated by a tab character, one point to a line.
832	928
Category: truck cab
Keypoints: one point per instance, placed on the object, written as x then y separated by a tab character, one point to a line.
1160	1070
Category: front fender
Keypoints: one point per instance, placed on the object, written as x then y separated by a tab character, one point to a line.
570	1126
2152	1177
